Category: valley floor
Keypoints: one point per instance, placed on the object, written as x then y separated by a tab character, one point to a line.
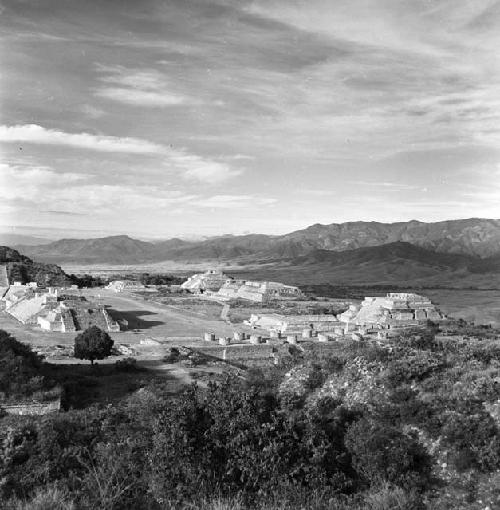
186	325
480	306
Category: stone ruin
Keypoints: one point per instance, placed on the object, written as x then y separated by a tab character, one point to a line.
395	310
211	280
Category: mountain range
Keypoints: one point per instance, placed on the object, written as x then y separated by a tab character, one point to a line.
464	252
474	237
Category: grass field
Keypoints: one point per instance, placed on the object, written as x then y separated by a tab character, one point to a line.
480	306
104	383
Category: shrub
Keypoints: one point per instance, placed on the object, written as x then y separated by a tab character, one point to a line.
393	498
50	498
382	454
113	476
474	439
413	366
241	442
127	365
172	356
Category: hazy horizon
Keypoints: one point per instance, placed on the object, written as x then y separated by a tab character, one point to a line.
55	234
208	117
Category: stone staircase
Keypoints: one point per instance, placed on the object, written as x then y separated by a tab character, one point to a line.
4	279
67	321
26	309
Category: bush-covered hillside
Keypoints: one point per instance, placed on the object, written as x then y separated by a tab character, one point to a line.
406	426
23	269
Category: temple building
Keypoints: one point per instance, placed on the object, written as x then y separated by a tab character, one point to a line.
59	319
394	310
53	311
257	291
211	280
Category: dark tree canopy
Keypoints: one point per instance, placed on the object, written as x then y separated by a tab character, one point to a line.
92	344
19	367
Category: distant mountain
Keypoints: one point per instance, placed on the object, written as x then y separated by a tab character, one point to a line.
7	239
22	269
477	237
399	262
125	250
473	237
112	250
225	248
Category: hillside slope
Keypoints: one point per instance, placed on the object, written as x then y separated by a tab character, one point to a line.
397	263
22	269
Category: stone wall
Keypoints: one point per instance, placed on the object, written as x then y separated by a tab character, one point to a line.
32	408
248	354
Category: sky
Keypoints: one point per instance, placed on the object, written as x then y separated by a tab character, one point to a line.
161	118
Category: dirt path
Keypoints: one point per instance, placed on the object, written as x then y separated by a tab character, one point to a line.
224	315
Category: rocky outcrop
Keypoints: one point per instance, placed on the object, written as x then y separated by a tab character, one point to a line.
20	268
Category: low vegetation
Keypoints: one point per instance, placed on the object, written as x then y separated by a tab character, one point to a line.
410	425
160	279
359	291
88	281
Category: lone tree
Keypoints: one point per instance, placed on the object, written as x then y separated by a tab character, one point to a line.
93	343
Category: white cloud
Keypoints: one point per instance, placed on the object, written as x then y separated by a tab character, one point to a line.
33	190
117	197
32	133
316	192
149	79
234	201
140	87
238	157
392	186
80	193
31	182
200	169
488	194
92	112
419	27
191	166
140	97
45	189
